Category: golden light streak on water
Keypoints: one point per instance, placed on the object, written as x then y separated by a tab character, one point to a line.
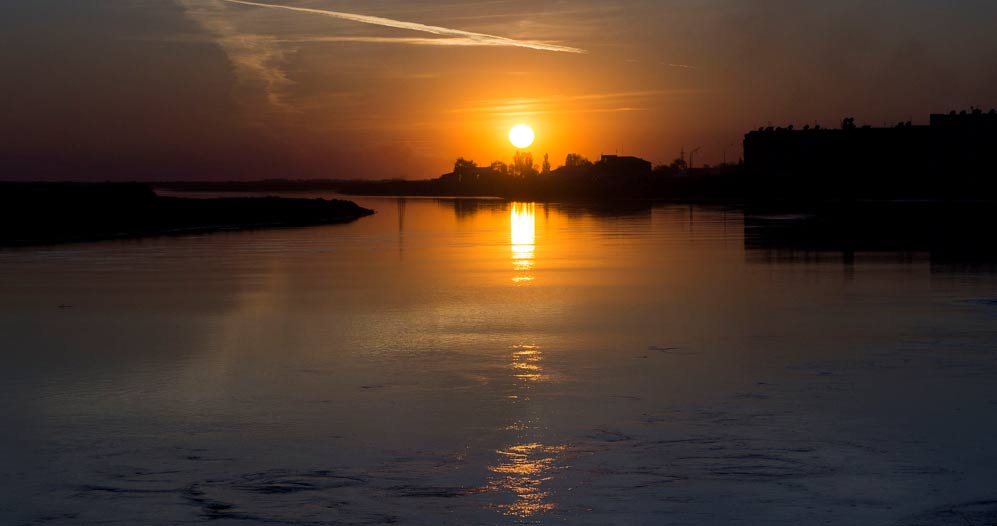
525	468
522	221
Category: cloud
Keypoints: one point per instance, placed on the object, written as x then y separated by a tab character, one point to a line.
581	103
680	66
624	109
466	38
257	59
260	58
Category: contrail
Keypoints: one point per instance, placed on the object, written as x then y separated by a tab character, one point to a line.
479	38
414	41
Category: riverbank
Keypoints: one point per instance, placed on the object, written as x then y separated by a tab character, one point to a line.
47	213
726	187
722	185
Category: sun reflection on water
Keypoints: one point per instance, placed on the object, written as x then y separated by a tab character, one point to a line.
523	471
522	221
526	363
525	468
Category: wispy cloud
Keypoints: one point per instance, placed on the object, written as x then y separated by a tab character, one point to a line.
466	38
580	103
257	59
567	111
666	64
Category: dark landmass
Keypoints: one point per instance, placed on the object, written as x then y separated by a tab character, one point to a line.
720	185
723	184
42	213
952	158
929	189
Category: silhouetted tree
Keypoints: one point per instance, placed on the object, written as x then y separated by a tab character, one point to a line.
546	166
462	165
679	164
522	164
500	168
848	124
575	160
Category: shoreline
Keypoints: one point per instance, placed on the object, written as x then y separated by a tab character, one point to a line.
36	214
731	187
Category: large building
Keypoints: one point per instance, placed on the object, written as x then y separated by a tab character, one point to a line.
955	154
623	166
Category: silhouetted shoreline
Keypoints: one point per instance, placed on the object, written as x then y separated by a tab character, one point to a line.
48	213
731	186
726	186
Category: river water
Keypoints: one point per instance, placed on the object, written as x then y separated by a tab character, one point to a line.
484	362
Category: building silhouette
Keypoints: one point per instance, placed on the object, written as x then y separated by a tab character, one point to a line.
955	155
623	166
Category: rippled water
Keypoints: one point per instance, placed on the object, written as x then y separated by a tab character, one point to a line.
483	362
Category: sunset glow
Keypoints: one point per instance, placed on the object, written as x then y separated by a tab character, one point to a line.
392	89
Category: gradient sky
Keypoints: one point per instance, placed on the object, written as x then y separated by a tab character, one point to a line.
217	89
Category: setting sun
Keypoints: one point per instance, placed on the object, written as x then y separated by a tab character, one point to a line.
521	136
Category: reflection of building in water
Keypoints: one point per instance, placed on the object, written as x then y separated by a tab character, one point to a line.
946	236
522	220
525	468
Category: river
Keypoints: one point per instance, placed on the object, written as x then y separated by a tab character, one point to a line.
483	362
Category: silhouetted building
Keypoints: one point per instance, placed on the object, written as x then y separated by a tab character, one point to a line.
623	166
953	155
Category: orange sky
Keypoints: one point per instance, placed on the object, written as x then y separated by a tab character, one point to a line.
222	89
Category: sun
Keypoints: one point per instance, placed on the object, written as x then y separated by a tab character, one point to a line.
521	136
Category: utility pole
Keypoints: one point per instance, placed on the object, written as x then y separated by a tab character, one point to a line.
692	156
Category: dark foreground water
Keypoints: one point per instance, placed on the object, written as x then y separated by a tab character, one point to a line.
478	362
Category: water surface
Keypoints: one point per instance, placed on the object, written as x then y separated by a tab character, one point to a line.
484	362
